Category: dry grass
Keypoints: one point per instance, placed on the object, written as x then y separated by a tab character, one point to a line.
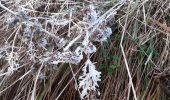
140	43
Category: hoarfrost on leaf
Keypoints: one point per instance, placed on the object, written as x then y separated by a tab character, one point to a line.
89	78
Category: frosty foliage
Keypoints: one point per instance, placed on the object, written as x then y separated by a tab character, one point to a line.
67	57
56	38
89	78
101	35
12	59
58	21
90	48
90	14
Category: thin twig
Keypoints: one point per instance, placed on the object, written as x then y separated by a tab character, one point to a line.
124	56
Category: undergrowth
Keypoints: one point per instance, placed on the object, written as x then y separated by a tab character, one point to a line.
81	49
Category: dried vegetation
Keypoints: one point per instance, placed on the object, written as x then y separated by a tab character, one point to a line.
84	49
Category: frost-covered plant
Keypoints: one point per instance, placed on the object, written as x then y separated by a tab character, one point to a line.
90	48
67	57
59	37
88	79
90	15
101	35
12	59
58	21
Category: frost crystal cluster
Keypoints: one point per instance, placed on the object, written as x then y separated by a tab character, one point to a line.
89	78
